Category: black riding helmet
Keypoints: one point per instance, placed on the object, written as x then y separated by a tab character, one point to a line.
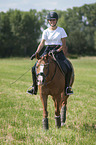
52	15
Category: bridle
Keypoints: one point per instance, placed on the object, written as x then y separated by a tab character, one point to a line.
41	73
46	75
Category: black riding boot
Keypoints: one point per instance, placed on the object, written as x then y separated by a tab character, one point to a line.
34	89
68	90
66	68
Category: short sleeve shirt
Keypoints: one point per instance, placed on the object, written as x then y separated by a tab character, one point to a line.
53	37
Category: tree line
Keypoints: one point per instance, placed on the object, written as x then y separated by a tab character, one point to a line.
20	31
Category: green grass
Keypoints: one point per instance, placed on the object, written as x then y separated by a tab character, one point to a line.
21	113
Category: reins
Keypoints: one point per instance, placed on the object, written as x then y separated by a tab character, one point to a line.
52	76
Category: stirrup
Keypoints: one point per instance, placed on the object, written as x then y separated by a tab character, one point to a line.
32	91
69	93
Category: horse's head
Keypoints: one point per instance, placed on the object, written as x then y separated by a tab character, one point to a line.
42	70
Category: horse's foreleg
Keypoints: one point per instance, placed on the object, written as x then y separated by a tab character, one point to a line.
45	113
63	115
63	110
45	123
57	111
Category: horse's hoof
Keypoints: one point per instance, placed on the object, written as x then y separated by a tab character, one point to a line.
45	123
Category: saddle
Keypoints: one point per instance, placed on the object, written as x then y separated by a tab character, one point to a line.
63	63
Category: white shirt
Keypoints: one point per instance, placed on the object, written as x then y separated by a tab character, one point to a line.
53	37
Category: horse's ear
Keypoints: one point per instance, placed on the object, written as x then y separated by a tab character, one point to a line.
37	56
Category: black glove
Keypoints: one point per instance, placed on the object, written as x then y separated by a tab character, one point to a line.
33	56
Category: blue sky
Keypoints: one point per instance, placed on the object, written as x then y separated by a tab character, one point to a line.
26	5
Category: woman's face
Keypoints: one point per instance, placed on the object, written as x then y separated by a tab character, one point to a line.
52	22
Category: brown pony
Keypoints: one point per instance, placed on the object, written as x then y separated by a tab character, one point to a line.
51	81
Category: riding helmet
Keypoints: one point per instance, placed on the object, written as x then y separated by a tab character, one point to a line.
52	15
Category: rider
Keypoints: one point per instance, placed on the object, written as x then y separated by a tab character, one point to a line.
54	37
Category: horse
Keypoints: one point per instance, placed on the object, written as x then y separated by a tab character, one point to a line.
51	81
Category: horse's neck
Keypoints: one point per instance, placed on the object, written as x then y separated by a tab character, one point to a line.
52	67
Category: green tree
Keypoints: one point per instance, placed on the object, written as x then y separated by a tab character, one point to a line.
95	41
19	33
80	21
26	29
77	43
5	35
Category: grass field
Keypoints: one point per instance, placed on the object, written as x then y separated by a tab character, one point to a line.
21	113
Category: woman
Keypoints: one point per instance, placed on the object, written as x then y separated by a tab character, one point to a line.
53	37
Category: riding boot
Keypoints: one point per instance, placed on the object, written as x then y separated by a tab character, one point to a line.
68	90
34	89
58	121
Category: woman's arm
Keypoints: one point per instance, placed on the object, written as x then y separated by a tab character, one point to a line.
41	45
63	47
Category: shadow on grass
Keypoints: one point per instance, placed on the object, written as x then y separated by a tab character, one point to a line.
89	127
85	126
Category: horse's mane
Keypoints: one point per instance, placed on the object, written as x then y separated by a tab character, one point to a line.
45	58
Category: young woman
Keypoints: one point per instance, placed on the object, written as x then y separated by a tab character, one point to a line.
54	37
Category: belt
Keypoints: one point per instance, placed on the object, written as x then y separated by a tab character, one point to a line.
53	45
